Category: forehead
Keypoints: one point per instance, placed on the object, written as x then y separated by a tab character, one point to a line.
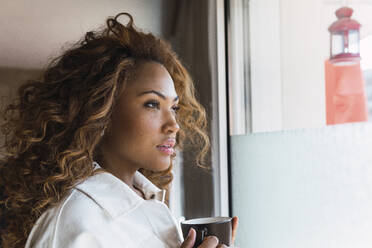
152	76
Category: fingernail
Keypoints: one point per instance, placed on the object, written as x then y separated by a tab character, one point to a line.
188	235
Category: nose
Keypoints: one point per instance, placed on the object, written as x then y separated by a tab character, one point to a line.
170	124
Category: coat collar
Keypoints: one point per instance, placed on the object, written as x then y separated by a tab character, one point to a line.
115	196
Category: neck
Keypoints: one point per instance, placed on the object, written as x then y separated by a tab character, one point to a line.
115	165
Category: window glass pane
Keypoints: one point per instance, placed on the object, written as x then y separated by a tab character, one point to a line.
337	44
354	41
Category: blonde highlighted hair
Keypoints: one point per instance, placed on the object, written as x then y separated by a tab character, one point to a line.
53	129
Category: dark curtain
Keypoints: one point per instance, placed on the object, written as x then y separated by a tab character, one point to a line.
187	30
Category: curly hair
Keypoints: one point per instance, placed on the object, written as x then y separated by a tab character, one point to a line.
53	128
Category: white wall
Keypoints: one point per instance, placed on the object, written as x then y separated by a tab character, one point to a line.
300	29
265	50
304	47
34	31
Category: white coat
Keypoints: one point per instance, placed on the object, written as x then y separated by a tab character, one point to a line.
104	212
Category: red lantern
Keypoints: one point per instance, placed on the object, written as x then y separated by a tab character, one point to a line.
344	37
345	93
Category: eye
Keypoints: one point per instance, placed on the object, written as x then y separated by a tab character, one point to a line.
152	104
176	108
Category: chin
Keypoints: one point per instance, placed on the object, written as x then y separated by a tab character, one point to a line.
161	166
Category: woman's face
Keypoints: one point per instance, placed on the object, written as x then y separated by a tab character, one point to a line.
144	126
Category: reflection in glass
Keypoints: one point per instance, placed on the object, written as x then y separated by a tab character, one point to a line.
337	44
353	42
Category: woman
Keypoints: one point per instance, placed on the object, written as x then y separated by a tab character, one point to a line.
87	143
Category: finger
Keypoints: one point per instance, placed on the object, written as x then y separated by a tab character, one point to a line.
222	246
190	240
235	221
209	242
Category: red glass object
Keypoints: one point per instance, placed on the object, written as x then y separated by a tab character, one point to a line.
345	93
344	37
345	86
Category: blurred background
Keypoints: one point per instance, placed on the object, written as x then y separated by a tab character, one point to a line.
259	69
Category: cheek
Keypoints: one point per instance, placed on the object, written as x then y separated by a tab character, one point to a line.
136	131
147	128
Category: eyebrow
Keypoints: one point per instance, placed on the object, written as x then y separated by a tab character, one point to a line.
157	93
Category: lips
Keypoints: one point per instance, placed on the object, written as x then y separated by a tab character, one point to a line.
169	143
167	146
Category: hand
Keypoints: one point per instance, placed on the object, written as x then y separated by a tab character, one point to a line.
209	242
234	228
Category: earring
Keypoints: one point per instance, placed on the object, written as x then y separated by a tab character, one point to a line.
103	132
173	156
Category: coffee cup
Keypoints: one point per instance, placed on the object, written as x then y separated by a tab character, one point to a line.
221	227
